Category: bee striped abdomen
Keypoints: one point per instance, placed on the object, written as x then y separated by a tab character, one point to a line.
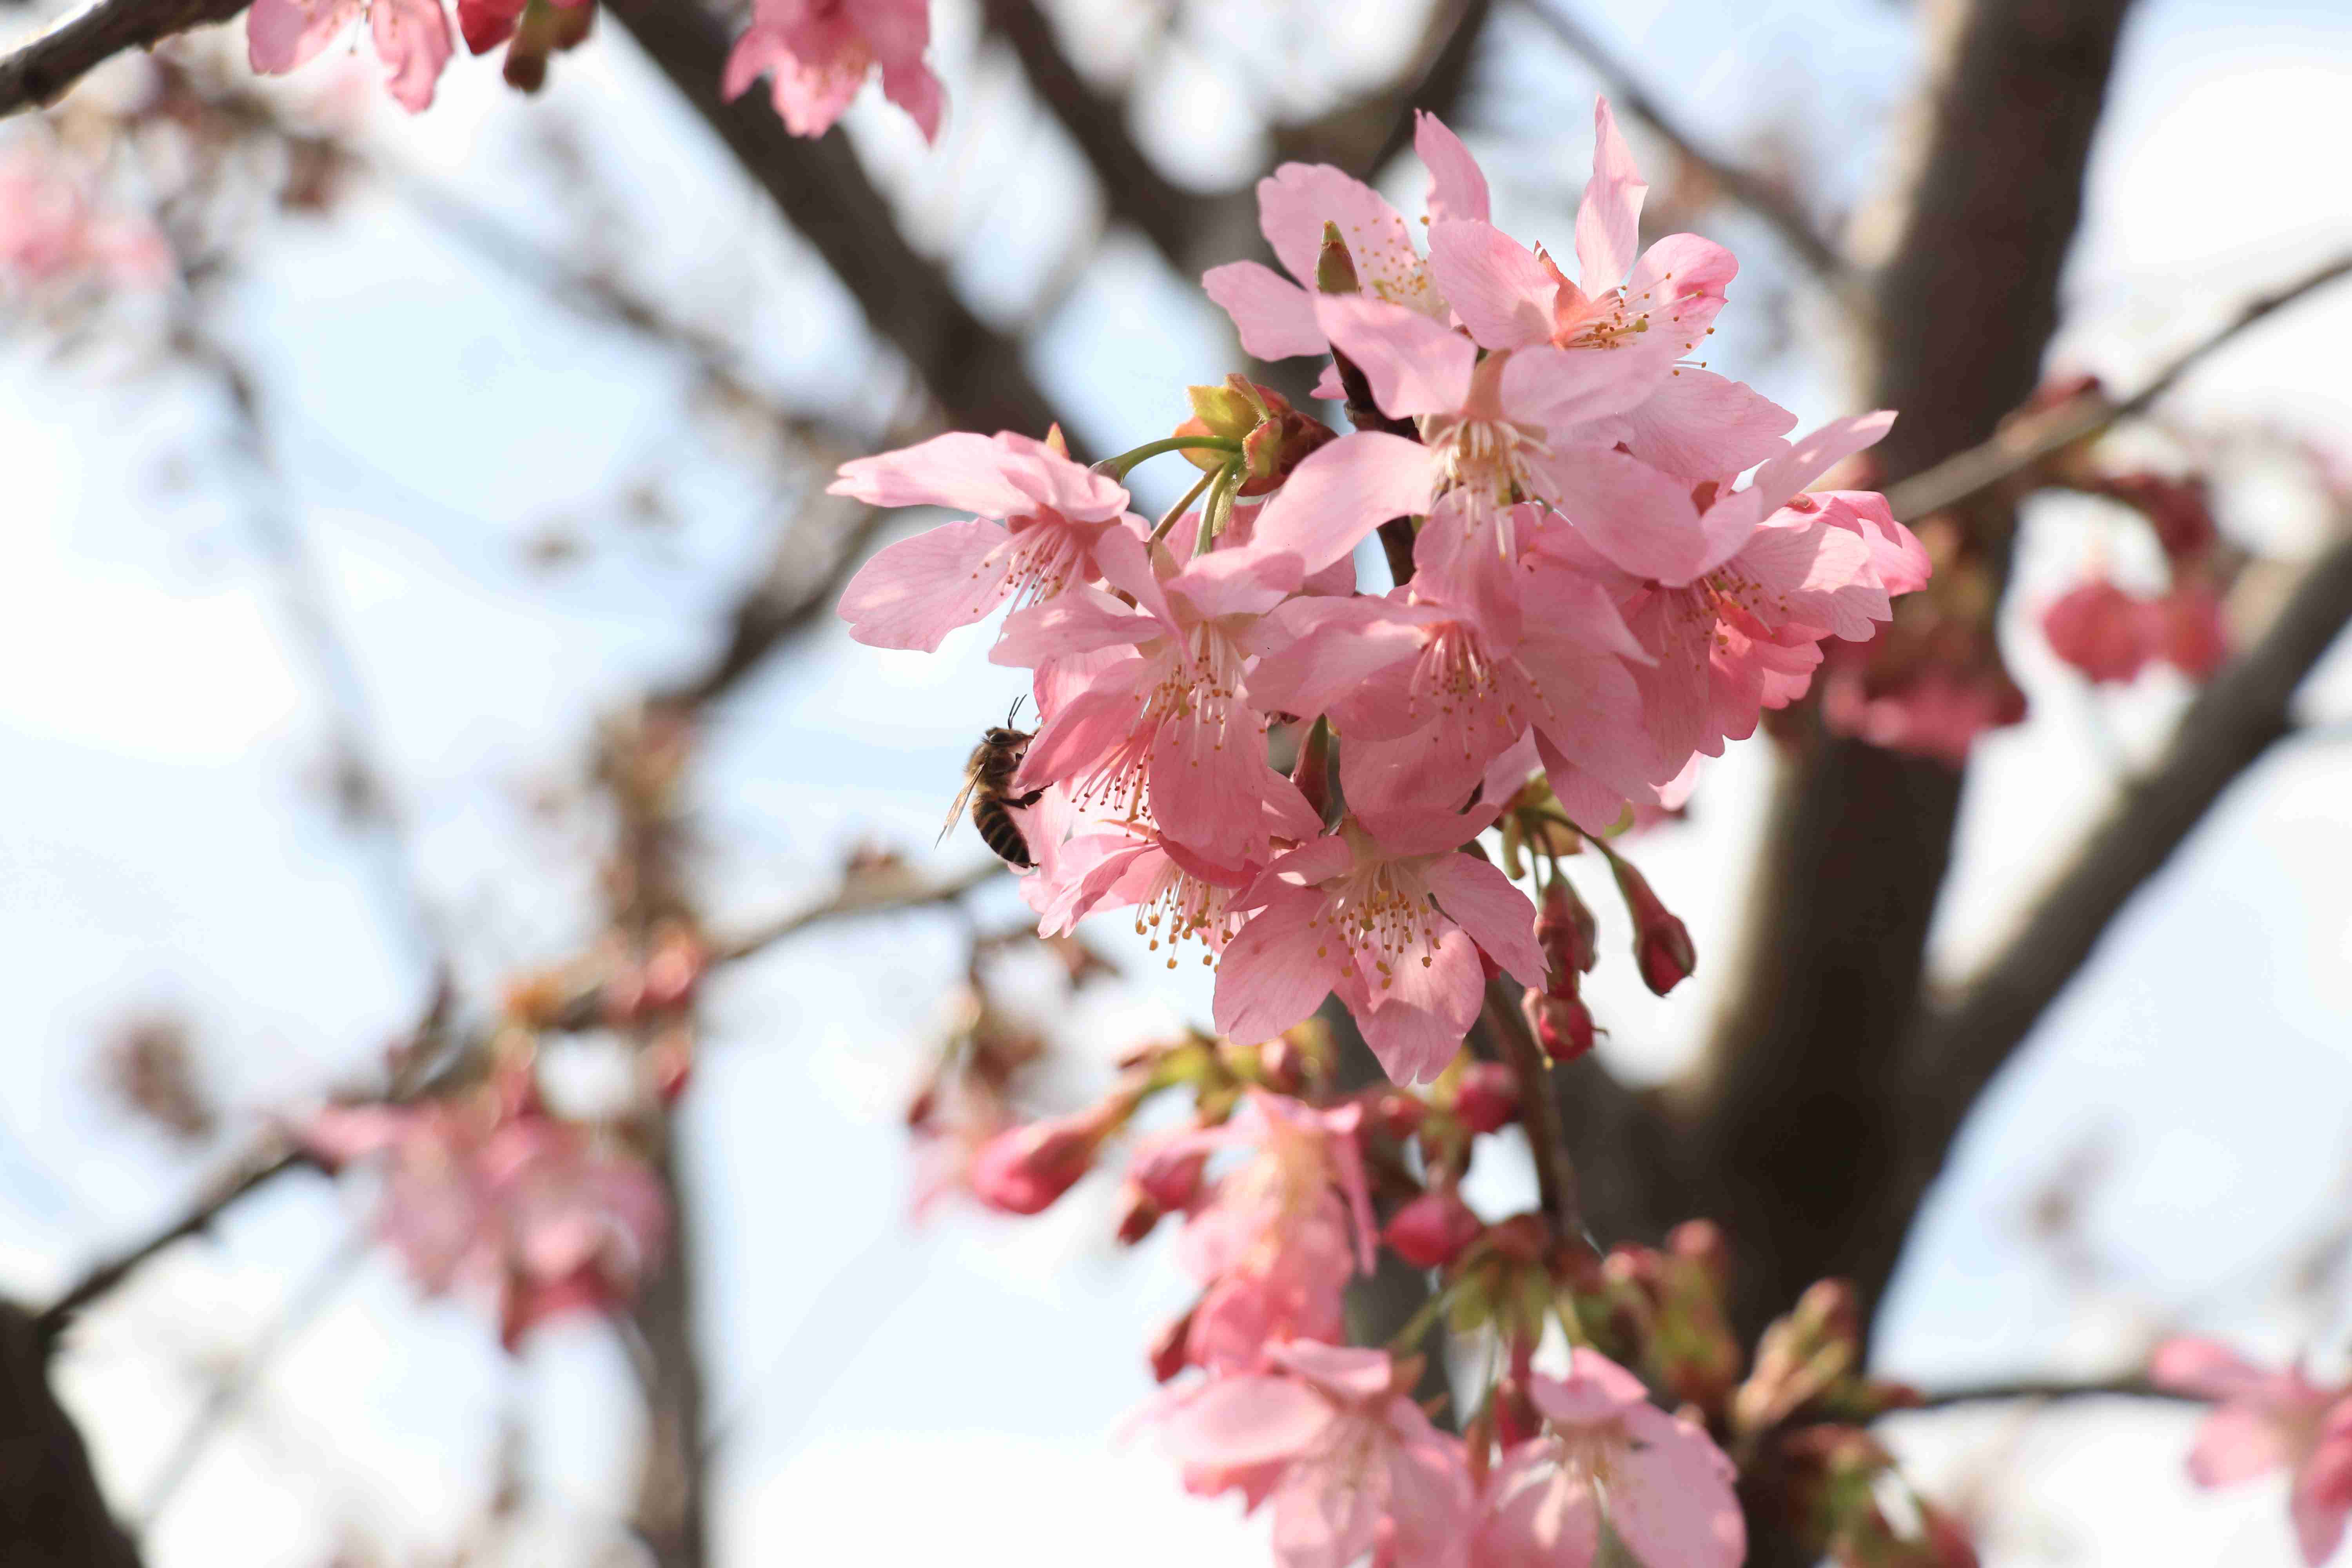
992	815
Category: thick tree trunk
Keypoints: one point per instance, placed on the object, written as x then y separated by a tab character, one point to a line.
1797	1121
51	1512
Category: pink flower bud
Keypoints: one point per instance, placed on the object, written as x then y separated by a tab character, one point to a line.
1170	1348
1562	1024
2100	630
1567	932
1662	944
1138	1218
1398	1114
2191	634
1432	1230
1487	1097
1022	1170
1169	1176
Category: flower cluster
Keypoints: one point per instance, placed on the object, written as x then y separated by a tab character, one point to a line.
1287	1189
488	1196
816	53
1587	591
2110	635
2266	1421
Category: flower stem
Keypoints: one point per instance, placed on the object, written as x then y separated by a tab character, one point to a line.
1216	508
1556	1183
1167	519
1119	467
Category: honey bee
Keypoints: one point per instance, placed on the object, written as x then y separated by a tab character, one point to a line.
987	786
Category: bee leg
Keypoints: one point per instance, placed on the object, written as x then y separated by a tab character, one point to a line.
1032	798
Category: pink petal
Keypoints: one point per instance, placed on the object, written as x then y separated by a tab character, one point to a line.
1275	317
913	592
414	41
1671	1497
1498	917
1083	728
1679	284
1204	773
2191	1364
1323	1518
1564	388
1353	1373
1277	970
281	35
1456	188
1810	574
1497	288
1053	482
1333	646
914	89
1299	199
1082	620
1609	219
1418	1023
2236	1443
1343	492
1245	1420
1700	425
1816	455
1414	365
959	471
1537	1515
1640	520
1431	1505
1234	582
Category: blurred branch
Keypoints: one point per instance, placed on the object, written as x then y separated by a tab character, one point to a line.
859	896
2238	717
2029	439
1556	1183
37	72
2046	1389
1133	188
52	1515
258	1170
1361	136
979	374
1753	191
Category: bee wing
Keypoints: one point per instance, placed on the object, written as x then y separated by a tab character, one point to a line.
955	812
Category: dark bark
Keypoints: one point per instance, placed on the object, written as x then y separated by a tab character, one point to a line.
1797	1134
38	71
52	1515
672	1503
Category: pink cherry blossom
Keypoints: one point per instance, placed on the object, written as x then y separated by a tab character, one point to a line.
1691	423
1275	316
412	39
1127	863
1394	929
1040	518
1934	712
1429	689
53	231
2100	630
1274	1239
1331	1435
1663	1487
2263	1421
1173	726
515	1207
818	53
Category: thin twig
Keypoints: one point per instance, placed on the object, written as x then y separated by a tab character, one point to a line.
2048	1389
2027	440
860	896
1556	1183
38	71
1750	190
257	1171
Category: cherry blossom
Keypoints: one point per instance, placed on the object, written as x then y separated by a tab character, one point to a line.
1041	517
1331	1434
1275	316
1394	929
818	53
2264	1421
1607	1453
1172	725
412	39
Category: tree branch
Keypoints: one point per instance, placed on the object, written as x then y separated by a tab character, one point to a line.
979	374
1556	1183
37	72
863	895
2026	441
1759	194
52	1515
2238	717
2047	1389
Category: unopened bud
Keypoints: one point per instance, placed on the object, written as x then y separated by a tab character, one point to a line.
1169	1176
1138	1218
1024	1169
1170	1348
1487	1097
1562	1024
1567	932
1662	944
1433	1230
1397	1113
1335	269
